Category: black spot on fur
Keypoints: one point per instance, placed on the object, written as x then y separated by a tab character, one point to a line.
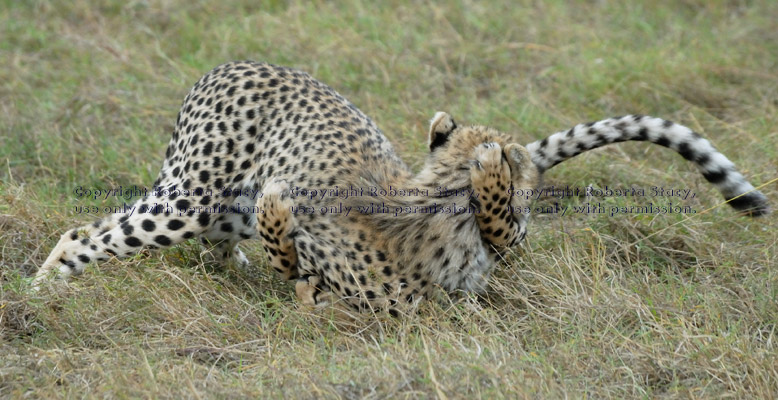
642	134
132	241
203	219
148	225
127	228
208	148
182	204
715	177
686	151
162	240
439	253
205	176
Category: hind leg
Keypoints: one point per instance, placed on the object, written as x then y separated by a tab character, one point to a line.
276	228
279	236
153	222
330	270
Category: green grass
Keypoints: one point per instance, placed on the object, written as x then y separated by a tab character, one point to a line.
590	306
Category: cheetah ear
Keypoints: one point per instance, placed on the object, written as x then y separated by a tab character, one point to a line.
441	126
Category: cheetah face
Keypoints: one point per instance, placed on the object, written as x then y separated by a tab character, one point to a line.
454	147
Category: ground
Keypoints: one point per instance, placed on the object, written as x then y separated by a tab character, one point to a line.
669	305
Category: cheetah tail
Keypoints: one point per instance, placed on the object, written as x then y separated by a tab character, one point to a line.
715	167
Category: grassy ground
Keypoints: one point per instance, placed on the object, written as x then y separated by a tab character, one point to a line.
590	306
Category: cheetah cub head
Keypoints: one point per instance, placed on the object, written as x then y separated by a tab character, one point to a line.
453	150
453	147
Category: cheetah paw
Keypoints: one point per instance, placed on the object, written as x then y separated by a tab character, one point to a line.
488	167
488	156
278	188
310	292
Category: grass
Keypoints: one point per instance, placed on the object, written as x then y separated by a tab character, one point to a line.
590	306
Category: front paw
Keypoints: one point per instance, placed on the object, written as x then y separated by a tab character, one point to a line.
276	188
488	169
312	292
487	156
523	172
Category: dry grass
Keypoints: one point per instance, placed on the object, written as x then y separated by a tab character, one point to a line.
590	306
